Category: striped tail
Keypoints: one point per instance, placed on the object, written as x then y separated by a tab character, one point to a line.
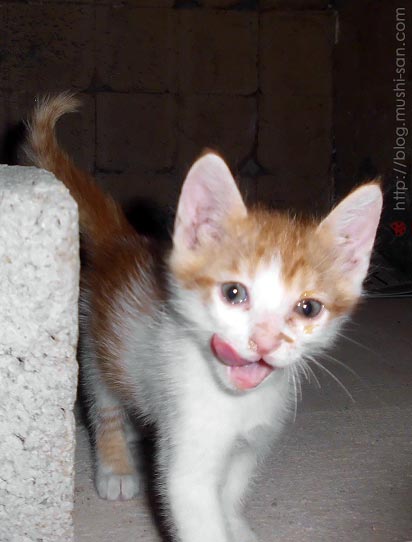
100	216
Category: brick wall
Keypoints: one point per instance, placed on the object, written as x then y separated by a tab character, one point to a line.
161	79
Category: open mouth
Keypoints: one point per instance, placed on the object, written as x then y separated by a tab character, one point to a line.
244	373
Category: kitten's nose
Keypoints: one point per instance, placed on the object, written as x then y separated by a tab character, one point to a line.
264	344
266	336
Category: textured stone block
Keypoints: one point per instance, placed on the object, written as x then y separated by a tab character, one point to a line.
226	124
136	48
217	51
47	47
135	132
39	269
296	53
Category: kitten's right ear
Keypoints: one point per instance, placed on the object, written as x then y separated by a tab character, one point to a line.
209	197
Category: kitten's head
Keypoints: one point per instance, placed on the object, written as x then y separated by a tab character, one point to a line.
264	289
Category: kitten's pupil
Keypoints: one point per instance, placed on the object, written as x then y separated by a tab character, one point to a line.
309	308
234	292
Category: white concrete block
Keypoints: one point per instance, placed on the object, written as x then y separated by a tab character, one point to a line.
39	277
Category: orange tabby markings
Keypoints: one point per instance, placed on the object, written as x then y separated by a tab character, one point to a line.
112	447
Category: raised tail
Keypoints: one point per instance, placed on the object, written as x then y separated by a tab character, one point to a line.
100	216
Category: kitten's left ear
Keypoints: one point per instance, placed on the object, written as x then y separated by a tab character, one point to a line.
352	226
209	197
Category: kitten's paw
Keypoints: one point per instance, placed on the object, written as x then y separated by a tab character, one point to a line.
117	487
241	530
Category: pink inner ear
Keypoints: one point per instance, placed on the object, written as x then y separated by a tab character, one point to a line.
197	209
353	224
209	197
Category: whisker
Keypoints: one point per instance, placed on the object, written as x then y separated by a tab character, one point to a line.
342	364
362	381
312	372
295	394
298	380
335	378
303	367
340	334
349	323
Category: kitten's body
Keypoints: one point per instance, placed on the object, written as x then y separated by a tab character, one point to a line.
162	341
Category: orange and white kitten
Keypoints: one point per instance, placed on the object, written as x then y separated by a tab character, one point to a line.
206	342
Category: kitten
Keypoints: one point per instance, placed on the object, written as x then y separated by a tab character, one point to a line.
206	343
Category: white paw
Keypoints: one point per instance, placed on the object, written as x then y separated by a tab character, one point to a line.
117	487
241	530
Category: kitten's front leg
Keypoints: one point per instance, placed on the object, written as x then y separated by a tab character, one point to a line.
195	463
239	473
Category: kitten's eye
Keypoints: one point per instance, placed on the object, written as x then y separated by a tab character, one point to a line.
308	308
234	292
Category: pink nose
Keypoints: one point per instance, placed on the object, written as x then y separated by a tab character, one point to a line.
267	336
264	344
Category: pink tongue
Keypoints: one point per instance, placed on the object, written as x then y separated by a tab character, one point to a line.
243	373
225	353
250	376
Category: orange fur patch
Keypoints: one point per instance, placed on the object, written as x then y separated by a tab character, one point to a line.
111	445
126	268
308	257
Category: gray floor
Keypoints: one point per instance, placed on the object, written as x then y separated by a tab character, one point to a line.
342	471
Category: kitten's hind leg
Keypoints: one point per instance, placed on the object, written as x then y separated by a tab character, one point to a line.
117	477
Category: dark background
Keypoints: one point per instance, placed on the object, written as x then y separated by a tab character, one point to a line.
296	94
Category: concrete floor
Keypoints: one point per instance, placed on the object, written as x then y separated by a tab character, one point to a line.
342	471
